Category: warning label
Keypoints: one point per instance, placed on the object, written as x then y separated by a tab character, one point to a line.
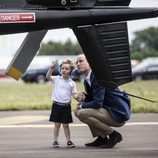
17	17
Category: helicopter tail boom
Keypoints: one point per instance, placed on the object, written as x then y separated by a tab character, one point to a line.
18	21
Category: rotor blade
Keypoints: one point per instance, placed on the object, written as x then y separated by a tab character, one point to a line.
114	2
107	51
25	54
13	3
79	3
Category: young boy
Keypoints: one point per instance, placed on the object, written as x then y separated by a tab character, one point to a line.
63	89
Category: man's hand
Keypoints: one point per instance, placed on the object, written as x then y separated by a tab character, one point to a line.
80	97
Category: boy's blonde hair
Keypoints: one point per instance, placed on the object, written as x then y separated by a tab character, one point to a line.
70	62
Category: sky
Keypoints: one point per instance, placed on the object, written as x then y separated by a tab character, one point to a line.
10	43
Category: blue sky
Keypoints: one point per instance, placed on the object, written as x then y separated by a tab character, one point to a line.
10	43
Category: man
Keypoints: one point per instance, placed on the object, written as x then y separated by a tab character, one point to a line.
101	108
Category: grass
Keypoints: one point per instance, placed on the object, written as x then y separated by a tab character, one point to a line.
38	96
27	96
146	89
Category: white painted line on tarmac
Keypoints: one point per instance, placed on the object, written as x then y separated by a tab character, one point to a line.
74	125
21	119
140	123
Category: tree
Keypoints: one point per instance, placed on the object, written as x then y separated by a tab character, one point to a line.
145	43
58	48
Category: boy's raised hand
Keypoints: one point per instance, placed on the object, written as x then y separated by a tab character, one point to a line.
53	64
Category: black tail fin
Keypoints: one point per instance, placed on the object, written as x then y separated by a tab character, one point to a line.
106	48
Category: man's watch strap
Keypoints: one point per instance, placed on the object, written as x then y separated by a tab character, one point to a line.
80	106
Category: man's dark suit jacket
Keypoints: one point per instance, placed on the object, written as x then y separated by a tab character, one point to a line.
115	101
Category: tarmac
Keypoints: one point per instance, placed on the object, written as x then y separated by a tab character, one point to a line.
29	134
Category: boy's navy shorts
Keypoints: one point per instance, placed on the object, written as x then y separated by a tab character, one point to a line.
61	113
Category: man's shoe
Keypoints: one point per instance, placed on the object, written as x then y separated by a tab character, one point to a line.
114	138
99	141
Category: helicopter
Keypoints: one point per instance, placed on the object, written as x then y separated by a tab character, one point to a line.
99	25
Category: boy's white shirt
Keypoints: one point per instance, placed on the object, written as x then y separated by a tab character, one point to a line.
62	89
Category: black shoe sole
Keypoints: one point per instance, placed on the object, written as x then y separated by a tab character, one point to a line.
94	145
108	146
91	145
